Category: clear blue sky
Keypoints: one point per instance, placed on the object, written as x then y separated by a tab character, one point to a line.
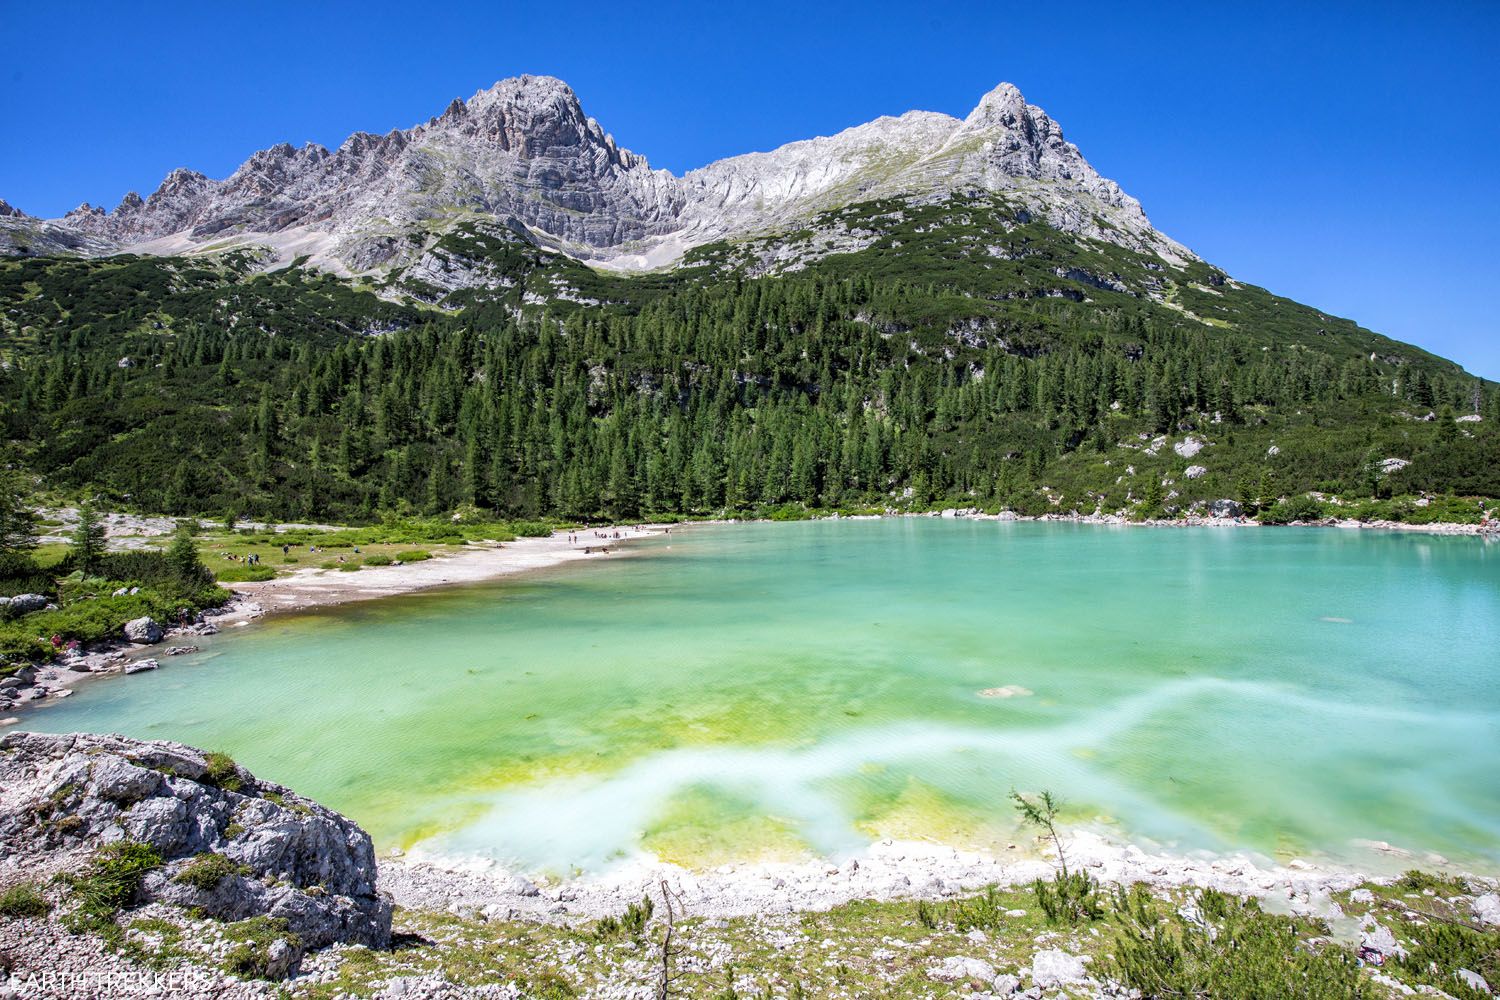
1344	154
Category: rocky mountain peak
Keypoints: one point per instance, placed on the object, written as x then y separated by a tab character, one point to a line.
10	211
524	153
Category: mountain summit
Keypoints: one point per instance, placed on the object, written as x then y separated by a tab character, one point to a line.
525	154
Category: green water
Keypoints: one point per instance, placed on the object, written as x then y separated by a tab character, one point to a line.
784	689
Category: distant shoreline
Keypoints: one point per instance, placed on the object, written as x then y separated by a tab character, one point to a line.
310	588
476	563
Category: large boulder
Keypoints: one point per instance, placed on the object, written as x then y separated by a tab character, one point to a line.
143	630
275	853
25	604
1226	508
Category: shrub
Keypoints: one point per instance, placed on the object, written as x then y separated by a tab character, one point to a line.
1416	880
349	567
1069	899
23	900
378	560
241	573
223	772
630	925
1228	950
982	912
250	956
112	880
1440	949
413	555
531	529
205	871
1293	510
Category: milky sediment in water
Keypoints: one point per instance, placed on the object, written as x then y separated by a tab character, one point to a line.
781	690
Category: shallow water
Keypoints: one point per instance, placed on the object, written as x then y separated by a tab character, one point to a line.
783	689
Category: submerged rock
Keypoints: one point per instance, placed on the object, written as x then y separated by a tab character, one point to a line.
232	846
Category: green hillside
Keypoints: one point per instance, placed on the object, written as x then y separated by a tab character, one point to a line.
954	354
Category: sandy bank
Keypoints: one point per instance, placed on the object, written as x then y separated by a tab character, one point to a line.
317	587
308	588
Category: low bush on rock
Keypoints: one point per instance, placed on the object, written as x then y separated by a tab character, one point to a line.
1293	510
1069	899
628	926
111	882
239	573
207	870
263	948
223	772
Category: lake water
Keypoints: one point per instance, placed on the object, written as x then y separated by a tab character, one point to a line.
779	690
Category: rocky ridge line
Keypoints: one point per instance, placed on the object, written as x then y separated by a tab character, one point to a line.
524	153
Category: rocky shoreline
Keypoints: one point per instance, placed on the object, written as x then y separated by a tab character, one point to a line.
241	888
1232	518
886	870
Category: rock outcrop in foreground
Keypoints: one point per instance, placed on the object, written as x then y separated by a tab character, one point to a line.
230	846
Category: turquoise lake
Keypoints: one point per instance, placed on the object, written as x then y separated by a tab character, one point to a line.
780	690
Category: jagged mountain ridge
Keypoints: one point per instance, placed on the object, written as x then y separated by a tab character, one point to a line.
524	154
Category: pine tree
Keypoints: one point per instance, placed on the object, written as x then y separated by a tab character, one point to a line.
88	538
182	557
17	518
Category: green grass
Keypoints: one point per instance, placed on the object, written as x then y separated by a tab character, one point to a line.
205	871
110	882
24	900
223	772
250	952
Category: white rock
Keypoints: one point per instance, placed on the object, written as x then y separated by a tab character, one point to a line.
1188	447
1057	968
1487	908
957	969
143	630
1195	472
1380	938
1005	985
1473	980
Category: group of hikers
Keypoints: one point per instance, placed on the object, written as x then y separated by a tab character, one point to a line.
607	535
253	559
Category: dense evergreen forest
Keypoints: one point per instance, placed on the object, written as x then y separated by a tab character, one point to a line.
959	359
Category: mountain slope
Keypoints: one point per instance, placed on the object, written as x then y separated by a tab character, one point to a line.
918	311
